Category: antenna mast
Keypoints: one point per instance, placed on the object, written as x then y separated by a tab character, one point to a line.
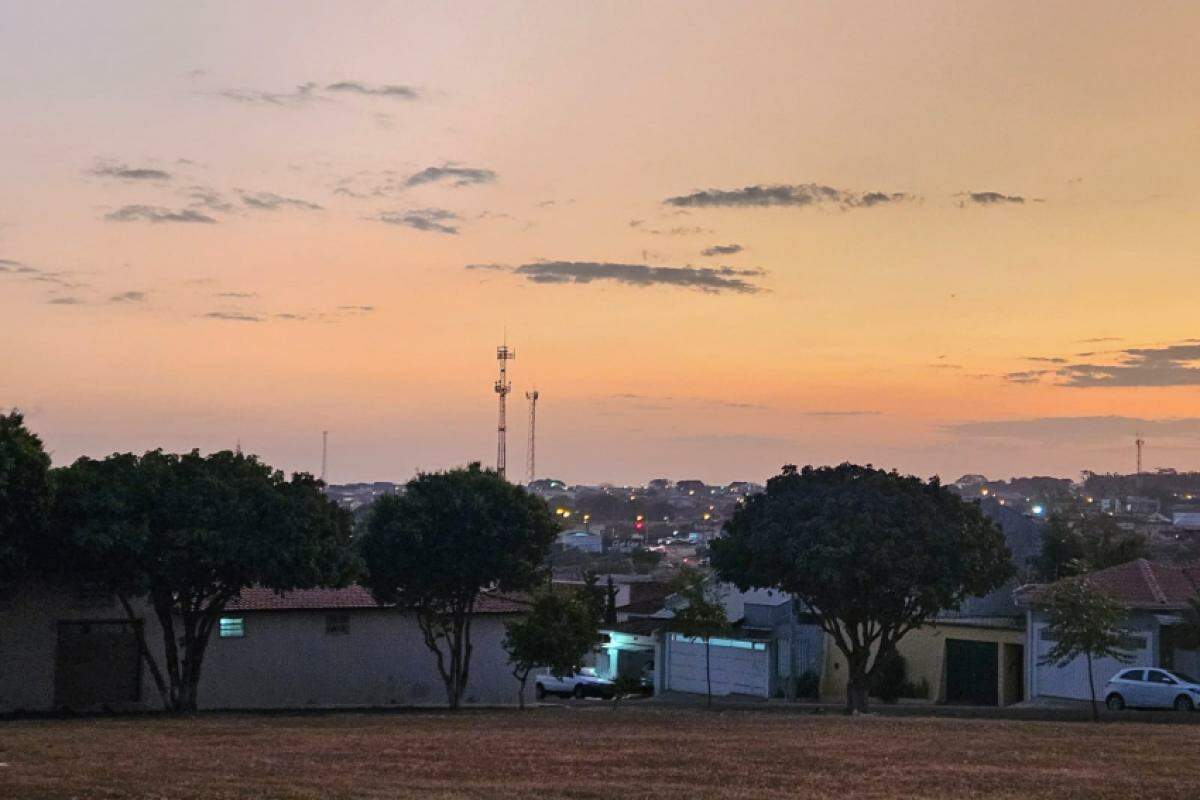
531	452
1138	442
503	354
324	453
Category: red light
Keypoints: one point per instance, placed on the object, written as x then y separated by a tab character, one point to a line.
640	525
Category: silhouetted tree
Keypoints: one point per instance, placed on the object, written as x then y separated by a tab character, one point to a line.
1072	545
188	533
25	498
557	633
873	555
436	548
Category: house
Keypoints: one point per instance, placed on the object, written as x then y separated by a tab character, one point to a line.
1153	593
316	648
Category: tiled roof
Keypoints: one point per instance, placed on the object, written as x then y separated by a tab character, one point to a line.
1139	584
350	597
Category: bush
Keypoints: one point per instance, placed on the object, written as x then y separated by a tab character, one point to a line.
890	678
808	685
918	690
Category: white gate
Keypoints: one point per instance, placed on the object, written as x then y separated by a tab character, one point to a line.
738	666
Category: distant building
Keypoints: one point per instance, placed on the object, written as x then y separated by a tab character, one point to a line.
586	540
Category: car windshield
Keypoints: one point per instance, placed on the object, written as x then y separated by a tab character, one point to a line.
1183	676
589	672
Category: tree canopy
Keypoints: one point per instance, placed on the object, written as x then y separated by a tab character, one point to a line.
1073	545
450	536
188	533
873	554
559	630
1082	621
25	497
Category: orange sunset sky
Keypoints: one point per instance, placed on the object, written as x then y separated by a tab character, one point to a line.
946	237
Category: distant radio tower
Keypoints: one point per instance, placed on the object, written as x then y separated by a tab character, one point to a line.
503	387
531	453
1138	442
324	453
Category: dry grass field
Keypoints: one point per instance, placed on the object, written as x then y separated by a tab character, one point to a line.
593	753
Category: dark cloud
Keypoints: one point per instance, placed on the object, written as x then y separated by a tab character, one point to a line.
391	90
208	198
304	93
233	316
459	176
357	309
718	279
9	265
722	250
1046	360
423	219
804	194
993	198
158	214
128	297
1078	430
1027	376
269	201
65	301
125	172
1171	365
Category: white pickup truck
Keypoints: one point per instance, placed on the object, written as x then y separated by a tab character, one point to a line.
584	683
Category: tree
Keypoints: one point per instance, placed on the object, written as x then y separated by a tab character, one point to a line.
188	533
557	633
436	548
1073	545
873	554
1082	621
25	497
703	616
645	561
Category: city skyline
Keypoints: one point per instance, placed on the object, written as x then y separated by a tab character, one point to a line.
721	241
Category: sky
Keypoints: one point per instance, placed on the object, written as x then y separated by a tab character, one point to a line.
937	236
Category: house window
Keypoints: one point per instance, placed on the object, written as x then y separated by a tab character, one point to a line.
337	624
232	627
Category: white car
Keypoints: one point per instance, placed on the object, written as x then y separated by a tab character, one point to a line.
584	683
1150	687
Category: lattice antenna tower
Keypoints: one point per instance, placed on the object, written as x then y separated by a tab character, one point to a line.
504	354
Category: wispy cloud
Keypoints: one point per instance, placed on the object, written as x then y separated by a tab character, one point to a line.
390	90
304	93
65	301
840	413
706	279
458	176
722	250
1077	430
128	297
269	201
1170	365
803	194
233	316
125	172
438	220
208	198
158	214
237	295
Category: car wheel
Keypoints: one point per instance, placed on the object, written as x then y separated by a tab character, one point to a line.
1115	702
1184	703
540	691
579	692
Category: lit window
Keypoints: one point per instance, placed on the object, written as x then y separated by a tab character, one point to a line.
232	627
337	624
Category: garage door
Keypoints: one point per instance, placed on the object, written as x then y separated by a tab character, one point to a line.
96	664
1070	681
972	672
738	666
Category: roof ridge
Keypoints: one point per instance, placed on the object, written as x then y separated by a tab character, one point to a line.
1152	580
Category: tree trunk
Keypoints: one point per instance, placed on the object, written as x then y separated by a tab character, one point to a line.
1092	689
160	682
521	692
858	684
708	673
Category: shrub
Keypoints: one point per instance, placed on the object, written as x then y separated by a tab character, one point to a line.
808	685
890	677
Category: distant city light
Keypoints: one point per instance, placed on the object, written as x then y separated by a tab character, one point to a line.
1037	510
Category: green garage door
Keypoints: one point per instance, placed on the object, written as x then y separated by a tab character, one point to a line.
971	672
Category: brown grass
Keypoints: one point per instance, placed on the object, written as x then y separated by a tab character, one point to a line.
593	753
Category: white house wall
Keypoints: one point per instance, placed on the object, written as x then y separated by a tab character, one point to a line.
735	670
1070	682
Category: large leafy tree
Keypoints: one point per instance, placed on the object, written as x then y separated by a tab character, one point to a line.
873	554
559	630
188	533
25	497
1082	621
1075	544
702	616
451	536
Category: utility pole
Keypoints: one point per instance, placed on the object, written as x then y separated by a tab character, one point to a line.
503	354
531	451
1138	443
